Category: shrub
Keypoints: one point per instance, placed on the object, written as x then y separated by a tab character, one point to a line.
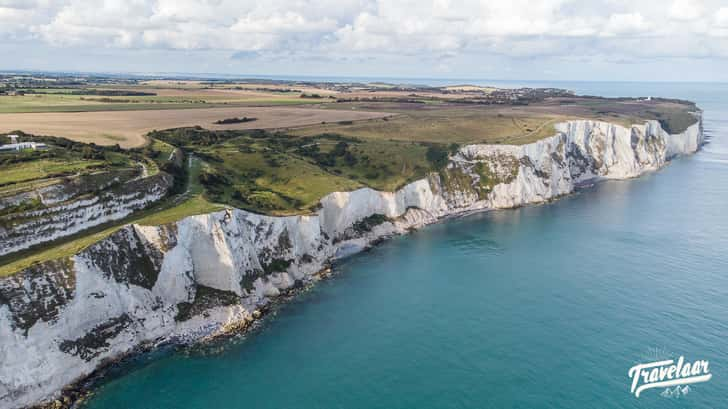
235	120
367	224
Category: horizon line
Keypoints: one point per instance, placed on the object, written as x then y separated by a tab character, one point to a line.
323	77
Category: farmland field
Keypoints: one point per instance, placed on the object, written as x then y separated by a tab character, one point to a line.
122	113
64	99
127	128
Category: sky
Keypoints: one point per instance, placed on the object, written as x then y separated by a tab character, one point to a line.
609	40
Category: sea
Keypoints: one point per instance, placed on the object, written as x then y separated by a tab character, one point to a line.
545	306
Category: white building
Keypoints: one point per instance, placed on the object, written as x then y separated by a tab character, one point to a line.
14	145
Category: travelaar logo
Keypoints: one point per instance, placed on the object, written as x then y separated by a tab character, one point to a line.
667	373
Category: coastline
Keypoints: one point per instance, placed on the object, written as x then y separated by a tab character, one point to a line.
442	202
79	392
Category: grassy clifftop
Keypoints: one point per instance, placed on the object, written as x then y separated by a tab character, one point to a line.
513	124
278	173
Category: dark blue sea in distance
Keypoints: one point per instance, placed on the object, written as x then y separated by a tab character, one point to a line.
539	307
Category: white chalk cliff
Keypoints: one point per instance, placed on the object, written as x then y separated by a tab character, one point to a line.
60	320
69	213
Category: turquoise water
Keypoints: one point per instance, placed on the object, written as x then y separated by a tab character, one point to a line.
540	307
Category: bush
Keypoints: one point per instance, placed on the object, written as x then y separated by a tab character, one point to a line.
367	224
193	136
213	181
235	120
438	154
88	152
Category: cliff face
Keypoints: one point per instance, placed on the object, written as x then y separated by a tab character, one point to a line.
71	208
62	319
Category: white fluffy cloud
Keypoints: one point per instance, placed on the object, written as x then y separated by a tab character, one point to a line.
626	24
366	28
686	9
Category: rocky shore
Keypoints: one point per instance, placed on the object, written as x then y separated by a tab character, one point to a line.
76	393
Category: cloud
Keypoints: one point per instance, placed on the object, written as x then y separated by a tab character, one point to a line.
627	23
721	18
20	4
345	30
281	23
686	9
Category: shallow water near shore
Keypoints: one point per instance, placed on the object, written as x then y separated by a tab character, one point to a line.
539	307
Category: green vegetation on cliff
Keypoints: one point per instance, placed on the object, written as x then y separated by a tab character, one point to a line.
279	173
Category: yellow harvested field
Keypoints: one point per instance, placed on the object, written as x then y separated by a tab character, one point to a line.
128	128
